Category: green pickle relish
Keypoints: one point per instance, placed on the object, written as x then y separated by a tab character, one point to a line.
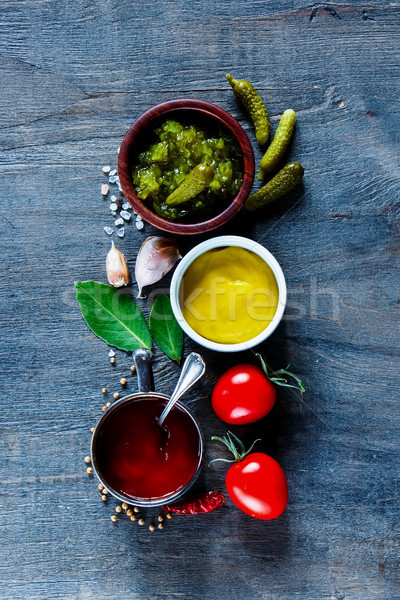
176	149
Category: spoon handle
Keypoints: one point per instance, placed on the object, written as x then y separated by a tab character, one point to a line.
142	359
192	370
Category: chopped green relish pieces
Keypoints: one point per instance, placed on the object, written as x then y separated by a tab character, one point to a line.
174	152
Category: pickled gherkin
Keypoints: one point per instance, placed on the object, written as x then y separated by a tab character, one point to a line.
273	156
283	182
194	183
175	150
252	102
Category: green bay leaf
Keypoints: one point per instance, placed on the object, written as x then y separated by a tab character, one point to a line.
165	329
113	315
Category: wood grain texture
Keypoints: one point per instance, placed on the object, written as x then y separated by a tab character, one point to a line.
75	75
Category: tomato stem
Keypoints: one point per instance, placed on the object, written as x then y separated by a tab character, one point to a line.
235	445
278	377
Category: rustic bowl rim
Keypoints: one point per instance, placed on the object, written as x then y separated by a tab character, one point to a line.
218	242
209	110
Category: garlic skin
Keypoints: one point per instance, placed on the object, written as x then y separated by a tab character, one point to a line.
117	268
156	257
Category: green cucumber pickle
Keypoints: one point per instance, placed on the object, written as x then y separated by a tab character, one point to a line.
176	150
273	156
252	102
194	183
283	182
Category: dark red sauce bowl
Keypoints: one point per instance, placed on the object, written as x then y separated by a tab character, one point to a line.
140	463
199	112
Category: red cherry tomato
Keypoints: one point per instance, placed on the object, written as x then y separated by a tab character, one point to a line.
258	486
243	395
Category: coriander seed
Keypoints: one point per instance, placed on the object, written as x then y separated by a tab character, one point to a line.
129	513
92	429
122	381
100	486
116	395
151	527
108	404
104	390
104	408
161	526
169	516
118	509
160	518
141	521
89	470
133	368
87	459
136	509
113	518
112	360
104	497
124	506
133	518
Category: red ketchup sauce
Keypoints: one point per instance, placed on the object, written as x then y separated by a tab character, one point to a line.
137	459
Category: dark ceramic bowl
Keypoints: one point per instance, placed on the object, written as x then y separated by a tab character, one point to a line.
200	113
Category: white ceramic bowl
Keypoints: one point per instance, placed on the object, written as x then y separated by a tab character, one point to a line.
218	242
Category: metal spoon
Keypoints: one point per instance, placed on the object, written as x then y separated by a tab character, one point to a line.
192	370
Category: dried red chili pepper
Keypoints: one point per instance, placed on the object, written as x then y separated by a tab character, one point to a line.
203	504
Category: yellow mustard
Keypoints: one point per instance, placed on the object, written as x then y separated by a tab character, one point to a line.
229	295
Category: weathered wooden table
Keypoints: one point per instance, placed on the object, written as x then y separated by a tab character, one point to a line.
74	75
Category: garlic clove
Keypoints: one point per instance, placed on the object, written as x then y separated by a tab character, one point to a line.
156	257
117	268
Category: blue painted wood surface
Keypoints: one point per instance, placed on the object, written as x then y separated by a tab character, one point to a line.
75	74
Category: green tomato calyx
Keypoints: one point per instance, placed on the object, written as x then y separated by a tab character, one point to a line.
280	377
235	445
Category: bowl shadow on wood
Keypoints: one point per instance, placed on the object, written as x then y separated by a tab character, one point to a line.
245	222
282	206
203	543
271	213
274	430
274	433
